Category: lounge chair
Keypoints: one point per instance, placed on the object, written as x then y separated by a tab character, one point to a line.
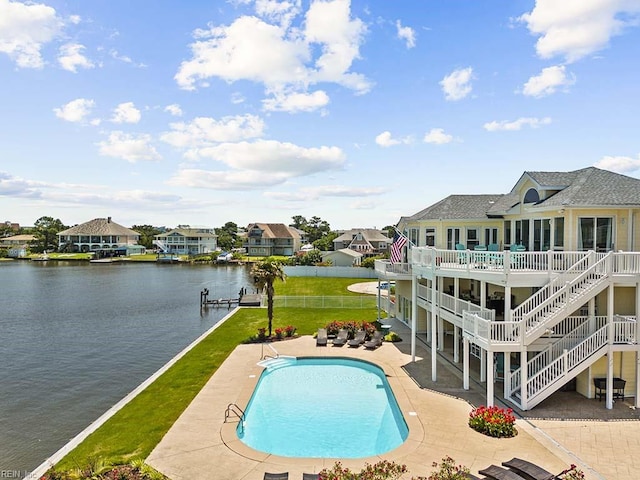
321	338
358	339
499	473
276	476
528	469
376	340
341	338
462	253
310	476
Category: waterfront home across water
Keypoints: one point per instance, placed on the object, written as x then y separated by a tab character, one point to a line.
542	284
100	234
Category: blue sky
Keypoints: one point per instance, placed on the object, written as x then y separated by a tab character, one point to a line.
193	112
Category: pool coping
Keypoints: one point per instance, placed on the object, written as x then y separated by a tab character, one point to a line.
415	434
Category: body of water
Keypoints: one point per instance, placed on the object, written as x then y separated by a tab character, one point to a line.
77	337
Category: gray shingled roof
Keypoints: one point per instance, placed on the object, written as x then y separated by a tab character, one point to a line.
370	234
100	226
275	230
591	187
458	207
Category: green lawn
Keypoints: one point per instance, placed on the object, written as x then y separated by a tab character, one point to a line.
135	430
317	286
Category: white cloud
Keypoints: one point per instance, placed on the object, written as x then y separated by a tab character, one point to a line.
76	110
274	156
576	28
71	57
296	102
385	140
24	30
457	84
619	164
407	34
437	136
516	124
205	131
11	186
281	56
316	193
133	148
174	109
126	113
549	80
237	98
226	180
124	58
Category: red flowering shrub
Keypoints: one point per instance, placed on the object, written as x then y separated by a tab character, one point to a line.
289	330
493	421
279	333
572	473
447	470
352	326
382	470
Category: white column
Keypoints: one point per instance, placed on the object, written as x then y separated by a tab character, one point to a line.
483	365
456	344
483	294
414	315
434	332
490	379
465	363
379	300
637	402
507	304
610	335
440	320
506	364
524	378
609	392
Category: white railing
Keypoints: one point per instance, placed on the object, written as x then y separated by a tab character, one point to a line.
455	305
491	332
561	297
161	245
625	330
346	301
386	267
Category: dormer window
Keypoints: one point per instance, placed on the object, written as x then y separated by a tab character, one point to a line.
531	196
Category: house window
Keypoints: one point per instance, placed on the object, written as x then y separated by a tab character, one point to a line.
531	196
430	237
507	232
558	232
472	238
541	235
414	233
453	237
490	236
595	233
522	233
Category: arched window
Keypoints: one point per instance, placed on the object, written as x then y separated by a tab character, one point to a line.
531	196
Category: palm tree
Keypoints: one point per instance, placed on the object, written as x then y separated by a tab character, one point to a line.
264	274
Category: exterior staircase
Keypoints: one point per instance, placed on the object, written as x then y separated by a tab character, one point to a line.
562	296
161	245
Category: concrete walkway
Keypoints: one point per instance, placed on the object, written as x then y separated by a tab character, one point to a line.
201	446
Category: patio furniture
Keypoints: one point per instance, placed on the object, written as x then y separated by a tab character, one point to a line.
499	473
276	476
601	388
376	340
321	339
358	339
462	253
528	469
341	338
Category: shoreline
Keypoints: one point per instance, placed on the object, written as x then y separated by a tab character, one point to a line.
51	461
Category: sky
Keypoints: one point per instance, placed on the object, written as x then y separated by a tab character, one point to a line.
202	112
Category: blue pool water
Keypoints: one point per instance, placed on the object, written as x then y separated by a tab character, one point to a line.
323	408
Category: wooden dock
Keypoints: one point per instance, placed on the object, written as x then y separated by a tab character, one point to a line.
244	300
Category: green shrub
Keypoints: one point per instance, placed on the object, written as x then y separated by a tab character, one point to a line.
392	337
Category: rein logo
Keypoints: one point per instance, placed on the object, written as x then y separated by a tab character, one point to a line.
12	474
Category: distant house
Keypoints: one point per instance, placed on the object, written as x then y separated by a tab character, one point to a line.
345	257
368	241
186	240
267	239
17	246
100	234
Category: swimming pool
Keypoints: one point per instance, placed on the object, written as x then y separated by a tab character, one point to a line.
323	408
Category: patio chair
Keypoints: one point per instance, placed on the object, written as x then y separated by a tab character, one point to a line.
376	340
341	338
462	253
276	476
529	469
495	258
321	338
499	473
358	339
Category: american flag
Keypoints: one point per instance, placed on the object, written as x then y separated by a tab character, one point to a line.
399	241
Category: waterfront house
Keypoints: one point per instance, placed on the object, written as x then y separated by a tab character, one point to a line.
345	257
545	277
100	235
186	240
368	241
267	239
17	245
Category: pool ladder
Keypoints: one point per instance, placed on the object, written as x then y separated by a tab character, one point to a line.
264	356
234	410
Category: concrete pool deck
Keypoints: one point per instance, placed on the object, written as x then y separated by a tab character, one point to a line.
200	445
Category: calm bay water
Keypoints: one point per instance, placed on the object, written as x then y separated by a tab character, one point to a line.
77	337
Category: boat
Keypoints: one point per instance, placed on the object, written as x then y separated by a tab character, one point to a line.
42	258
224	257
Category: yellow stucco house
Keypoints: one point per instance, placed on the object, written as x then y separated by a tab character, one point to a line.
546	276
